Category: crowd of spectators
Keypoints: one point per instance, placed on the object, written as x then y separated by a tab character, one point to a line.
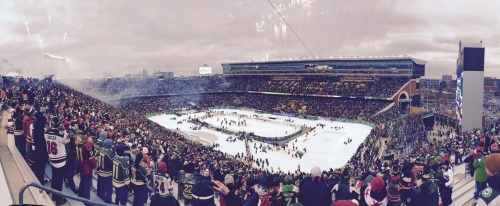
326	107
414	172
123	87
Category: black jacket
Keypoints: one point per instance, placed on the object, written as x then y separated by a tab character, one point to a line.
39	137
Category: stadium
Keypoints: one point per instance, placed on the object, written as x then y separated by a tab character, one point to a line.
321	107
277	118
83	122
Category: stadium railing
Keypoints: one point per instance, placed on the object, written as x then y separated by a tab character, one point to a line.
58	193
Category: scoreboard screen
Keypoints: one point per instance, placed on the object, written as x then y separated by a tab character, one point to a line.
205	70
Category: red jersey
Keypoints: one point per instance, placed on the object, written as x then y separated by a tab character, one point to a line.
85	157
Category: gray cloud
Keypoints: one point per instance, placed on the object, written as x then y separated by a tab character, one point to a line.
126	36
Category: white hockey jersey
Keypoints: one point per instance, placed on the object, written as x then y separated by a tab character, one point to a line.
56	147
163	184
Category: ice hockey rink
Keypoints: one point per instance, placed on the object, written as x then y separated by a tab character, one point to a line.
325	145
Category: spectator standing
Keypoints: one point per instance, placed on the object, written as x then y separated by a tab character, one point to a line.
140	181
19	138
40	152
315	192
121	178
105	171
491	195
162	182
376	193
56	148
480	175
85	163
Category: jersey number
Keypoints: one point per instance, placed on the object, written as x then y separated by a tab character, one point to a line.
51	148
101	158
160	186
79	153
187	189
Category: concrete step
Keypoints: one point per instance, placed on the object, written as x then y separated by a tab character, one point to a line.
463	182
462	190
465	197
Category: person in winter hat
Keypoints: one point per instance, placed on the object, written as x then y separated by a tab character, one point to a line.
376	193
289	190
265	188
344	191
251	197
229	183
491	195
315	192
426	193
158	200
203	193
393	195
446	184
365	185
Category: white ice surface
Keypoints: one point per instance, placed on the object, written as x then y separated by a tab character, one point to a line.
325	146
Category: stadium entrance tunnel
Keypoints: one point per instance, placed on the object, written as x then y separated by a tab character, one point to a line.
404	100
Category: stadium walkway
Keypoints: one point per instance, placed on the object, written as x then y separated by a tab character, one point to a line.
12	173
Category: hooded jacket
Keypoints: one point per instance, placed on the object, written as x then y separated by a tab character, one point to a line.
491	195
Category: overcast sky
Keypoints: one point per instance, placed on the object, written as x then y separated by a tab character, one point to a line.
121	37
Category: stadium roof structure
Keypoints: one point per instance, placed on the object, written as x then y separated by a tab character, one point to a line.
333	58
402	65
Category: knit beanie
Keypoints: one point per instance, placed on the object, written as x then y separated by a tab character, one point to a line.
377	184
492	163
316	171
426	174
108	143
162	167
395	180
120	149
250	182
288	180
202	190
266	181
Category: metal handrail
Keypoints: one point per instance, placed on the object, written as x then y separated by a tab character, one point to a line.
57	192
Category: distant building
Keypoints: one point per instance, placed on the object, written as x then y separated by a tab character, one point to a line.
132	75
144	72
447	77
430	84
160	74
491	82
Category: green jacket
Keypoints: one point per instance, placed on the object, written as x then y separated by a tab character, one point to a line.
480	175
121	175
105	162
